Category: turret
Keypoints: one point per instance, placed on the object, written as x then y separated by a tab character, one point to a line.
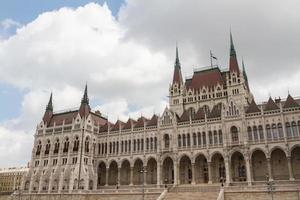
49	111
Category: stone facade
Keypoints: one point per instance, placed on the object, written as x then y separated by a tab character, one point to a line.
11	179
213	131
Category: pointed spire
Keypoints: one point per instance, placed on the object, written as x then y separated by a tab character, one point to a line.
177	76
233	64
50	104
177	62
85	98
245	74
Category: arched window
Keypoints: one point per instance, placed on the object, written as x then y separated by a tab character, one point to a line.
155	143
56	147
87	145
204	139
122	146
183	140
206	109
249	131
117	147
142	144
215	137
76	144
129	146
188	140
199	138
138	144
194	139
167	141
66	145
255	134
151	143
192	113
288	129
234	134
110	148
48	145
274	131
269	134
261	132
147	144
294	128
179	141
114	147
210	138
220	137
38	148
105	148
125	150
134	145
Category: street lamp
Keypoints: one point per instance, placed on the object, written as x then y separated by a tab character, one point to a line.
270	187
143	171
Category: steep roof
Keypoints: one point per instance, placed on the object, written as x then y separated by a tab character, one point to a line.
129	124
140	122
98	119
153	121
200	114
105	127
66	117
233	64
271	105
253	108
205	78
290	102
185	116
117	125
215	111
177	76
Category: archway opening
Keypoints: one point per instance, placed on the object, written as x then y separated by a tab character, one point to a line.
101	174
259	165
201	169
151	171
238	167
185	170
279	165
113	173
125	173
218	168
168	171
295	156
137	172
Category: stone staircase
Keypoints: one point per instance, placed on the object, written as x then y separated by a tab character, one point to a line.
195	192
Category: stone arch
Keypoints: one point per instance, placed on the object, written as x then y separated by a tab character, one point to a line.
279	164
185	169
277	147
101	173
135	159
184	154
257	149
295	161
151	176
149	158
211	155
168	170
218	172
125	172
238	166
201	168
113	173
137	172
259	164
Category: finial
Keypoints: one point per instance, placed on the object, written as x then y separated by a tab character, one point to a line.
232	50
50	104
177	62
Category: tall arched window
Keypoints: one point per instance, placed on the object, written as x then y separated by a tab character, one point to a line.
194	139
155	143
56	147
249	131
210	138
269	134
294	129
234	134
167	141
86	145
76	144
204	139
38	148
274	131
188	140
280	130
183	140
147	144
110	148
179	141
122	146
255	134
134	145
151	143
142	144
199	138
215	137
118	147
220	137
138	144
288	129
125	148
261	132
66	145
48	145
129	146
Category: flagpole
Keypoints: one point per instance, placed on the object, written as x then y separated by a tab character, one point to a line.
211	59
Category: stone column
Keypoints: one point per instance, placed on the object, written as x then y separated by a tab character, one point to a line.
158	172
209	172
227	169
269	169
193	174
131	175
176	174
291	174
248	171
119	176
145	171
106	176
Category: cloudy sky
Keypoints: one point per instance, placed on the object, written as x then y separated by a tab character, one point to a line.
125	51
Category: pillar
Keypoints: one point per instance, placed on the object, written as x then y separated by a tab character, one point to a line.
119	176
248	171
131	175
291	174
145	175
269	169
176	174
227	173
158	173
193	174
209	172
106	176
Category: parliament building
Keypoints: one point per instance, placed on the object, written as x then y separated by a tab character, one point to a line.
212	132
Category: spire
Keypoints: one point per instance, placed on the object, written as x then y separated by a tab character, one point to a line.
177	62
50	104
233	64
245	74
85	98
177	76
84	109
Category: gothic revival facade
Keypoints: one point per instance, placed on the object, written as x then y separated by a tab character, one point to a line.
213	131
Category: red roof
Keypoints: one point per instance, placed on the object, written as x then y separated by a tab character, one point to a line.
129	124
59	118
153	121
105	127
140	122
253	108
290	102
233	64
200	114
177	77
215	111
205	78
117	125
271	105
185	116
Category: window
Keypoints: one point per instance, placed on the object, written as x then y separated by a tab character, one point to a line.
155	143
167	142
38	149
64	161
45	163
274	131
151	143
294	128
210	137
147	144
215	137
47	147
188	138
179	140
66	145
255	134
199	138
288	129
86	145
183	140
56	147
194	139
134	145
74	160
269	134
220	137
204	139
54	162
76	144
249	131
37	162
234	134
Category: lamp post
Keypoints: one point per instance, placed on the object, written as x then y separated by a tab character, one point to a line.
270	187
143	171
